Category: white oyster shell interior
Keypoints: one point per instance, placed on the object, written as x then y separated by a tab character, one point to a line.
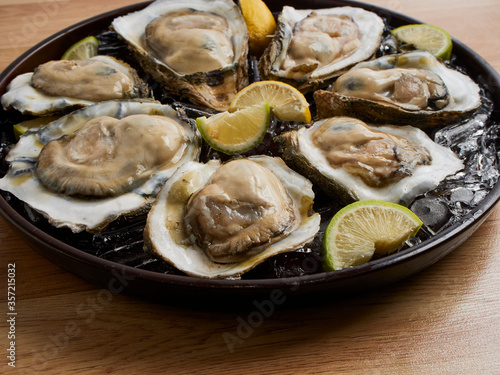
132	27
22	96
370	27
463	91
26	99
423	178
165	235
87	213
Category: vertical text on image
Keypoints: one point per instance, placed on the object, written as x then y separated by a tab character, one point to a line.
11	314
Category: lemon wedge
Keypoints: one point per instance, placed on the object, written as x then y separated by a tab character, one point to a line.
238	132
261	25
286	102
364	228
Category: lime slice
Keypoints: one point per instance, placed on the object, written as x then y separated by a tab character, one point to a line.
238	132
34	124
426	37
81	50
364	228
286	102
261	25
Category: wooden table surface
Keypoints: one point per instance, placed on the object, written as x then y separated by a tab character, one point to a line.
444	320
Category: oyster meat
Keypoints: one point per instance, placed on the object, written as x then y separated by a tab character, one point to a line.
414	88
218	220
99	163
312	47
195	49
351	160
62	85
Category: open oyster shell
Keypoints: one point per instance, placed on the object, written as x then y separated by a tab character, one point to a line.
406	169
87	211
23	96
225	38
325	49
165	234
355	99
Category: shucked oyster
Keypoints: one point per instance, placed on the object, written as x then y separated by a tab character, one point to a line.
351	161
196	48
212	220
99	163
312	47
63	85
413	88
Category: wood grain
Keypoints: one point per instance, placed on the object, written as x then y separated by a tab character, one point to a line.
444	320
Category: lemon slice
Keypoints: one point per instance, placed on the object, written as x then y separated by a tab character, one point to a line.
364	228
286	102
34	124
81	50
238	132
261	25
426	37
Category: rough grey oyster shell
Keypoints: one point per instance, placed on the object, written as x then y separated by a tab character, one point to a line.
302	154
85	210
463	95
215	88
310	75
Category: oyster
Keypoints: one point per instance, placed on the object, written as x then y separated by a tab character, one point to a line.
195	49
414	88
63	85
99	163
352	161
312	47
214	221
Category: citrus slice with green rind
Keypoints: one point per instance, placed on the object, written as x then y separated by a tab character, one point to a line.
364	228
427	38
238	132
286	102
83	49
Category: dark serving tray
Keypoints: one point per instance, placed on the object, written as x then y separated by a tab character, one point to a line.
185	290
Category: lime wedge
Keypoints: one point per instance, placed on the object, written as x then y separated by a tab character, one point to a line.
238	132
81	50
425	37
364	228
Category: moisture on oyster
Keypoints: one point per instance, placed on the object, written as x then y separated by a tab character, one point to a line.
351	160
99	163
190	41
312	47
218	220
197	49
63	85
413	88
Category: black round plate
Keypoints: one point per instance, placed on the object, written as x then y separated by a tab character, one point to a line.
205	293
